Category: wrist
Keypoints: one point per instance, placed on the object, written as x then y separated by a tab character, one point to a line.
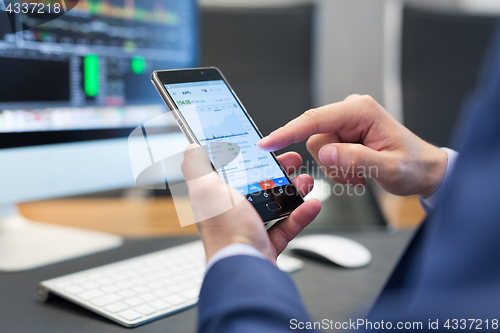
434	170
235	249
212	248
215	245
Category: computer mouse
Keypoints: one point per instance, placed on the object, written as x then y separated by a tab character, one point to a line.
338	250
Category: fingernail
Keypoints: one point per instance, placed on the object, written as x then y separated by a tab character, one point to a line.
328	155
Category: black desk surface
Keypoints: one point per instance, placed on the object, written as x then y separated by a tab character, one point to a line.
328	291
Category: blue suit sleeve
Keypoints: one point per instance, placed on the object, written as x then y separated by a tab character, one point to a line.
450	271
248	294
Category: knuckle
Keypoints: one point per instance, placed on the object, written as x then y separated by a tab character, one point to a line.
369	102
312	113
355	155
352	96
350	157
284	234
280	130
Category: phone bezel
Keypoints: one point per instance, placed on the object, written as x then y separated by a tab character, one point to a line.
160	78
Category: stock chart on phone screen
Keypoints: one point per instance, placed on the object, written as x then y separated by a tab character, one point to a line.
214	115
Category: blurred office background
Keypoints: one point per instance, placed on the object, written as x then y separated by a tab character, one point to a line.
418	58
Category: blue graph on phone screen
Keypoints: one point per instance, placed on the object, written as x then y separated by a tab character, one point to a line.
214	115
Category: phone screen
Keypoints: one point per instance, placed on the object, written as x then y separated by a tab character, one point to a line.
214	115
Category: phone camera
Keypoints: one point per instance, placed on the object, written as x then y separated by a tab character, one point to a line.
202	73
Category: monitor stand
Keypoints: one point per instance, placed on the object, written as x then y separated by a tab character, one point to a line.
26	244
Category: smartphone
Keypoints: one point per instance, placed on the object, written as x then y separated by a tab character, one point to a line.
208	111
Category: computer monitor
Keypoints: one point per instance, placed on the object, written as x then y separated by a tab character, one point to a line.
71	91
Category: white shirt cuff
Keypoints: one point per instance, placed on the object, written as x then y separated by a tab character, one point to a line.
429	203
235	249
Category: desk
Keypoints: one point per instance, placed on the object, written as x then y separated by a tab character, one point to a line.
157	217
128	217
328	291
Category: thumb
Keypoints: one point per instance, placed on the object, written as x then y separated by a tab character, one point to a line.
196	162
352	158
210	195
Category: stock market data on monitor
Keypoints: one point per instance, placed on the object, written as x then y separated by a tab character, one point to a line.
90	68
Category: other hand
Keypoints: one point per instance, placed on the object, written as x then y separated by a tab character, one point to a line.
358	137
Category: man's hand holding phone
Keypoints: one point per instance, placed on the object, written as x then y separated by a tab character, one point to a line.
207	110
242	223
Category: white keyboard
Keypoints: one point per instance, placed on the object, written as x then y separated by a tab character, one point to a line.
141	289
